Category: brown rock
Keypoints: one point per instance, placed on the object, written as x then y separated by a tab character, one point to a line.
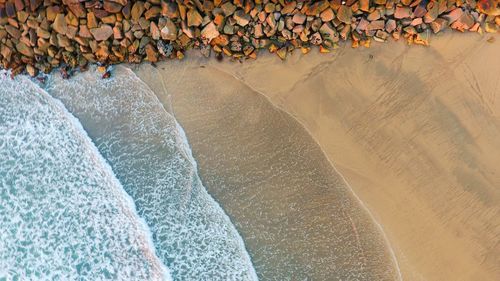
282	53
152	12
111	19
194	18
169	31
299	18
151	53
375	15
76	8
316	39
258	31
364	5
10	9
24	49
137	10
362	25
288	8
327	15
438	25
241	17
210	32
42	33
71	19
375	25
91	20
402	12
228	8
344	14
432	14
453	15
34	4
31	70
416	21
117	33
52	12
19	5
422	38
60	25
84	32
155	31
112	7
102	33
169	9
390	25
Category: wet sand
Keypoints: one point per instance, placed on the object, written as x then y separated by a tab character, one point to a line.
298	218
415	131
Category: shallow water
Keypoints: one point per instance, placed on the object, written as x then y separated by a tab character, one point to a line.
296	214
63	214
149	154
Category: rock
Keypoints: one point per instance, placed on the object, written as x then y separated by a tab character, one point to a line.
438	25
258	31
329	32
117	33
364	5
35	4
71	19
432	13
152	12
194	18
19	4
76	8
155	31
112	7
344	14
228	8
84	32
375	15
453	15
169	31
288	8
375	25
42	33
241	17
60	25
137	10
111	19
91	20
31	70
316	39
416	21
169	9
210	32
402	12
299	18
282	52
102	33
327	15
24	49
362	25
422	38
151	53
390	25
490	27
10	9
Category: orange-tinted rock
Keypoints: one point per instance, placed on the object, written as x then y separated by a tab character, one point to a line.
194	18
102	33
210	32
137	10
60	25
344	14
112	7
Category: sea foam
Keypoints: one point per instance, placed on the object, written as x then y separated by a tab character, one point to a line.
150	156
63	214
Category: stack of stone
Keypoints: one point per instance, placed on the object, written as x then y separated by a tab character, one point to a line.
38	35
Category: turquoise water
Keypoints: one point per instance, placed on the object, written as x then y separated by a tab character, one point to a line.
149	160
63	213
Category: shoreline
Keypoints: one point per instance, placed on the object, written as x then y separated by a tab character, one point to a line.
352	191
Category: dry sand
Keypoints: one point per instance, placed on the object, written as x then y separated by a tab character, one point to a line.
415	131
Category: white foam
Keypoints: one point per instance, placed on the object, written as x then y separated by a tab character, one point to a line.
45	182
150	155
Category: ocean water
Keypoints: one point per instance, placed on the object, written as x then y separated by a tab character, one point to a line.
63	213
150	156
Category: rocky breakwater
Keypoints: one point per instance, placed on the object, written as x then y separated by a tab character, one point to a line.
39	35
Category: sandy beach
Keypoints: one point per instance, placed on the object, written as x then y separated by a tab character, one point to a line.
414	130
